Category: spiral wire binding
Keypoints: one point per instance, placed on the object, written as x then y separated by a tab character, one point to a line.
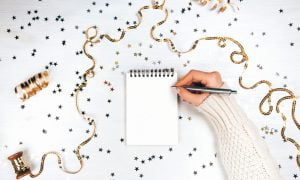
151	72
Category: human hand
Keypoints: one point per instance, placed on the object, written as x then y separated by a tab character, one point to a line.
208	79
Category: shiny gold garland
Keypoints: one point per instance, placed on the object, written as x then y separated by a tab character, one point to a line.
77	151
88	74
22	169
93	38
221	42
219	5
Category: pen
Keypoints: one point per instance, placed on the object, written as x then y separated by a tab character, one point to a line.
209	90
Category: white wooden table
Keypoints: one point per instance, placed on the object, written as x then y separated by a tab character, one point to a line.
35	34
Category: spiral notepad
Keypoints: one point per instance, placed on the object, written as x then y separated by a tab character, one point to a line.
151	107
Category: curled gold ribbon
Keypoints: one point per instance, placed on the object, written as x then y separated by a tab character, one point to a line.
31	86
77	151
92	38
88	74
221	42
219	5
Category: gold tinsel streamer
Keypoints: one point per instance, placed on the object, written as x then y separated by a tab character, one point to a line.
89	74
21	169
218	5
93	38
215	4
221	42
19	165
77	151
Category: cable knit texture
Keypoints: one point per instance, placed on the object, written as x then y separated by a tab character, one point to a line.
242	151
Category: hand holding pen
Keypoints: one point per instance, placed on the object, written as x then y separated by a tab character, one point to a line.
211	81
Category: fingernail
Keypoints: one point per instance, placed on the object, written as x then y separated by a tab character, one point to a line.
178	90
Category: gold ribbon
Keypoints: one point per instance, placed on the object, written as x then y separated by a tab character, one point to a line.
220	5
31	86
221	42
88	74
93	38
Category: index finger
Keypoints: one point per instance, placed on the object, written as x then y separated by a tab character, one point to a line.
193	76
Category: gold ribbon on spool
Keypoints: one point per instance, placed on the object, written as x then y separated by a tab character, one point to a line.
19	165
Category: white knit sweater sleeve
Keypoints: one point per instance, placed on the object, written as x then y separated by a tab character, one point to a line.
243	153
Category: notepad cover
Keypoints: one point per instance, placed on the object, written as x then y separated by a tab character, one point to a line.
151	110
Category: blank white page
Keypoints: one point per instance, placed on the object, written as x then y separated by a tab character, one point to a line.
151	110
